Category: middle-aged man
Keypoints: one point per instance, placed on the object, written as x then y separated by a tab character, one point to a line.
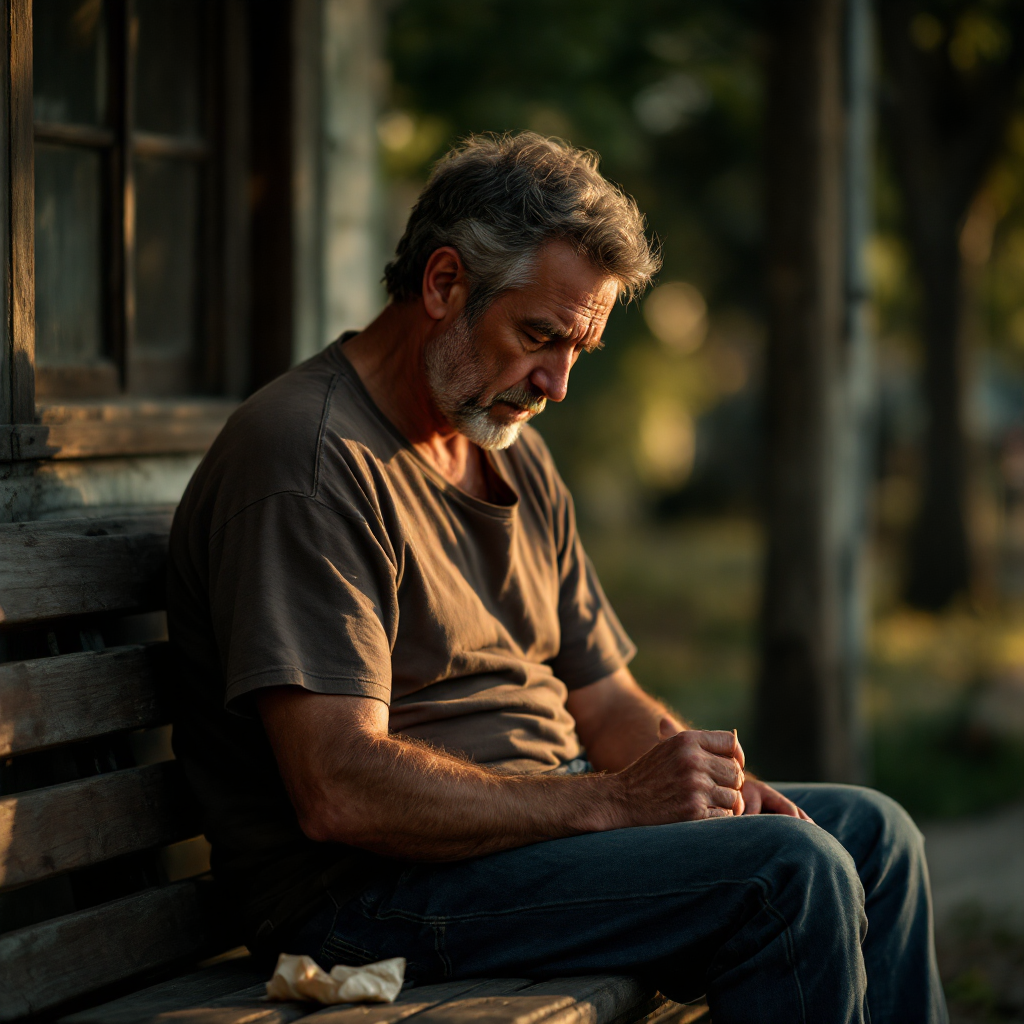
403	698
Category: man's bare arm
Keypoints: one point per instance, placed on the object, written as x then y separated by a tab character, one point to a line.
351	782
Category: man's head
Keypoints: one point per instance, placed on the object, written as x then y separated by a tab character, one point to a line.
543	245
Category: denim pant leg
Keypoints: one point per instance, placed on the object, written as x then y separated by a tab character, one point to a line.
888	849
764	914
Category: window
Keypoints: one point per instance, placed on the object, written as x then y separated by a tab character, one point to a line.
125	109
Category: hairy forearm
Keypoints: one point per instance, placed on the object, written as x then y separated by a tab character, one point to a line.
352	782
405	799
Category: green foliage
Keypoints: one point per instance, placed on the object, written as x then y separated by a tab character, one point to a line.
940	766
668	94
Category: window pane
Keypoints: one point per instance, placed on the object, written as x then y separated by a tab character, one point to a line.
168	68
166	257
69	323
69	61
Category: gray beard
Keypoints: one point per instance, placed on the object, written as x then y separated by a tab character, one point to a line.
459	383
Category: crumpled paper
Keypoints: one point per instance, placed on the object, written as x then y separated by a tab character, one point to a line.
300	977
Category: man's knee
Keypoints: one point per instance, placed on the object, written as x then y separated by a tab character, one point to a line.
893	835
815	862
890	817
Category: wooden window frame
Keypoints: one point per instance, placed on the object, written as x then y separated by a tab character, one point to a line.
34	427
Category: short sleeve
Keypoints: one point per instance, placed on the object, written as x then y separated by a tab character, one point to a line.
593	642
302	595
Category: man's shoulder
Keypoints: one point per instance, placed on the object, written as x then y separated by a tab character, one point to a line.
274	443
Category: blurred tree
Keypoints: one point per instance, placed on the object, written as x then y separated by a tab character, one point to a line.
670	96
952	77
805	719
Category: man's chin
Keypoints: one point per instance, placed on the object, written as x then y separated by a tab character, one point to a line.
486	433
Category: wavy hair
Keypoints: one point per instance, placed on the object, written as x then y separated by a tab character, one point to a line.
496	199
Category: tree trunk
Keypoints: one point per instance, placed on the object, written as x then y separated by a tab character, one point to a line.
945	128
802	720
940	564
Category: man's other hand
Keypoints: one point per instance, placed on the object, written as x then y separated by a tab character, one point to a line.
691	775
760	798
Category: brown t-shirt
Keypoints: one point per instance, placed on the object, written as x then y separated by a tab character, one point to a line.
314	547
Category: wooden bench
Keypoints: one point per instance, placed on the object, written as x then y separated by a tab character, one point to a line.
104	885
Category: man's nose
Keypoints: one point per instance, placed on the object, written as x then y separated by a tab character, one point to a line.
552	375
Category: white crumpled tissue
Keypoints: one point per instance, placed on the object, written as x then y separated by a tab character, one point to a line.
300	977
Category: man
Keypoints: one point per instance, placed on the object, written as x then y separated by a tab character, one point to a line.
404	699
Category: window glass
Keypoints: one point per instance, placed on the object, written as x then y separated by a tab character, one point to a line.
166	256
69	61
168	67
69	327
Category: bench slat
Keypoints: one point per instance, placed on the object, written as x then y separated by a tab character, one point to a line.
584	1000
190	990
82	566
48	701
249	1007
417	1001
231	993
49	963
45	831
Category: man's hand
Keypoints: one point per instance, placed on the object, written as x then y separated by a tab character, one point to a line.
760	798
756	797
690	775
619	725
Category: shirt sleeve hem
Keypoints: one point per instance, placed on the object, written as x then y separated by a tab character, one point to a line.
594	671
290	675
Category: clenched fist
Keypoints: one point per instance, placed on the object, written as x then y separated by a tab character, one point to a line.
690	775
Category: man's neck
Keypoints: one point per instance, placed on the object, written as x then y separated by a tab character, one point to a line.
388	356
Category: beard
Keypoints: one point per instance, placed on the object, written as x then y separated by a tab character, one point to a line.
460	386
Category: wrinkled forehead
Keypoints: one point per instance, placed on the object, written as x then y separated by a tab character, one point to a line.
567	290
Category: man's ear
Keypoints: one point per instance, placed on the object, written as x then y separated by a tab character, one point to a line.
445	288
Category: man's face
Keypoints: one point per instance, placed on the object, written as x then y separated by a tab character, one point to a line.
491	378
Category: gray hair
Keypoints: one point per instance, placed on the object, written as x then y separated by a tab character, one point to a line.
497	199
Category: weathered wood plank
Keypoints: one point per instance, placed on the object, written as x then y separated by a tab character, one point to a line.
585	1000
6	340
80	566
48	701
233	991
245	1007
46	831
49	963
137	427
198	988
21	157
88	440
675	1013
418	1000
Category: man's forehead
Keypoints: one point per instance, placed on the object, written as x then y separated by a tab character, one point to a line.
568	292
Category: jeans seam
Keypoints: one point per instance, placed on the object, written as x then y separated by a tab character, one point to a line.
790	954
335	947
439	948
330	931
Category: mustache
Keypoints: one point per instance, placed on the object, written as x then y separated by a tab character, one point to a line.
522	396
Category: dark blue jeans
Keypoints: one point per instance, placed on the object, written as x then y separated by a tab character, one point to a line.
775	919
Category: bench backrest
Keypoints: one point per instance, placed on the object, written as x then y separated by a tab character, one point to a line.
90	805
